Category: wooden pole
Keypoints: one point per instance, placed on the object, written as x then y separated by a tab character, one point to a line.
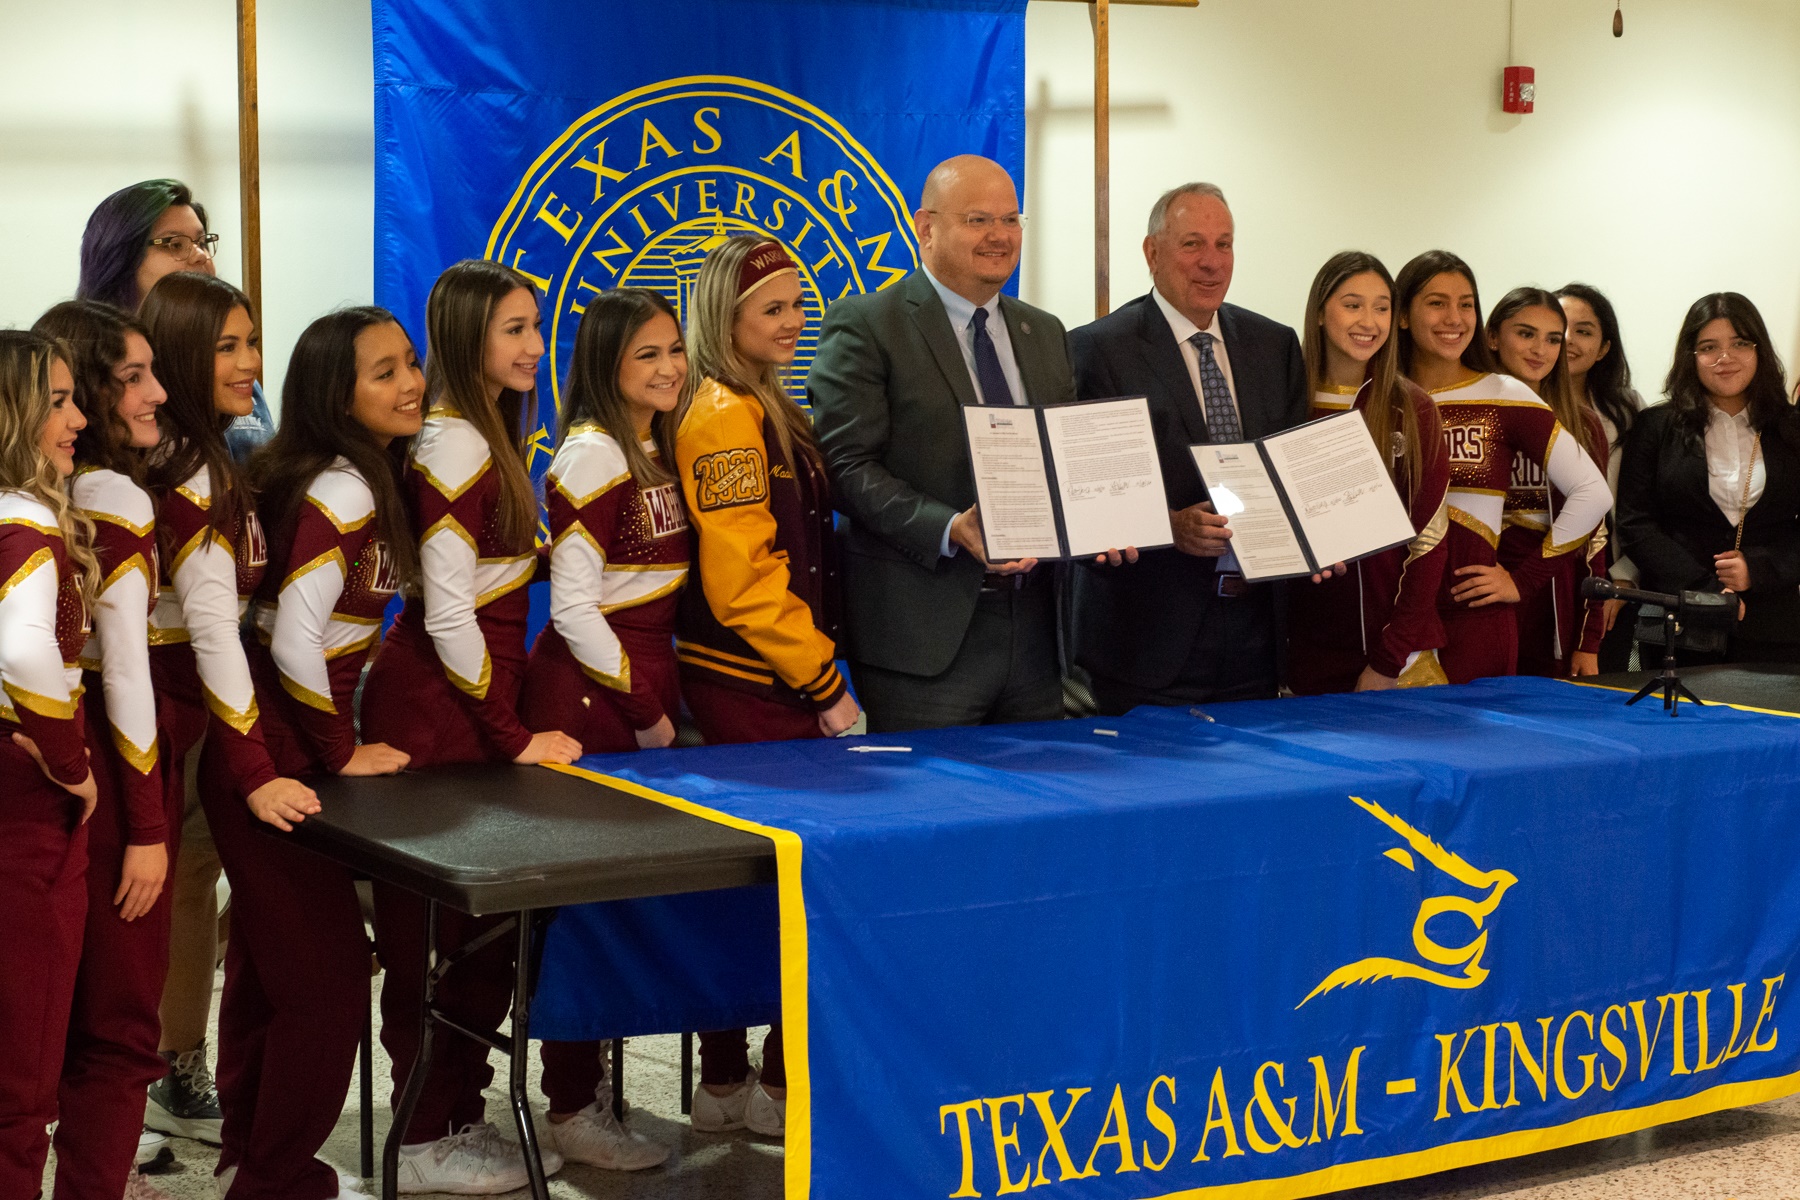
249	154
1102	16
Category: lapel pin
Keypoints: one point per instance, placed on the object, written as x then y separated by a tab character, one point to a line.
1024	327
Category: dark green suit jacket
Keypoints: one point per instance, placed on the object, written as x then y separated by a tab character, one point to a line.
887	388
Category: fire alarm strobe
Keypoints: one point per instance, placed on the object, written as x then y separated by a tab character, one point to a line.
1520	90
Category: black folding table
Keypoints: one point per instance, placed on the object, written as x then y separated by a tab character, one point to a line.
514	840
1774	686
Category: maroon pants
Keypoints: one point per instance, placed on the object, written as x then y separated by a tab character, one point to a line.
1480	642
296	995
114	1023
43	892
724	717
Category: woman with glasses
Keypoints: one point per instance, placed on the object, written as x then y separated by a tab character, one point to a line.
1709	489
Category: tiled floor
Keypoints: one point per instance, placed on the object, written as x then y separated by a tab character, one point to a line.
1745	1154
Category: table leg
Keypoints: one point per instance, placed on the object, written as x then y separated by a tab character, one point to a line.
521	1059
415	1079
365	1070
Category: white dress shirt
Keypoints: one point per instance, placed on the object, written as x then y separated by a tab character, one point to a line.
962	323
1730	443
1190	354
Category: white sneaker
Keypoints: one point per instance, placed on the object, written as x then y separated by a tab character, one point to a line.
139	1187
150	1144
595	1137
223	1180
720	1114
765	1114
476	1162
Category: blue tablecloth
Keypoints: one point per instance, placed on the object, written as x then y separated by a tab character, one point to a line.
1265	949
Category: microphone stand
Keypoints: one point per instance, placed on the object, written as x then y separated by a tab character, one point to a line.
1670	682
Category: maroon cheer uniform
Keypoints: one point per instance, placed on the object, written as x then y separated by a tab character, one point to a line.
297	965
43	845
756	636
1488	421
1383	614
1554	622
604	668
114	1023
445	689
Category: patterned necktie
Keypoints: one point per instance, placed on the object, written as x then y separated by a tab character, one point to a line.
1221	414
994	388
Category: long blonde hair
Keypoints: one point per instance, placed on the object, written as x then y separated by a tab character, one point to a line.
711	354
1389	410
25	360
462	304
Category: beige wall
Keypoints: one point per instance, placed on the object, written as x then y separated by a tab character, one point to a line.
1657	167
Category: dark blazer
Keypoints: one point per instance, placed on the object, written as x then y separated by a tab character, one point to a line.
1137	623
1670	527
886	389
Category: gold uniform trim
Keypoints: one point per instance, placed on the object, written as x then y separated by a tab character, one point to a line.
618	683
194	543
505	589
142	761
445	490
1429	537
167	637
667	589
1476	526
307	696
1423	671
449	524
479	688
1469	382
114	519
243	721
330	556
203	503
1552	549
361	643
337	524
44	706
583	501
134	563
30	566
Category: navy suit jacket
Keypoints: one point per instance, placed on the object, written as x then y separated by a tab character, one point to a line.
1137	623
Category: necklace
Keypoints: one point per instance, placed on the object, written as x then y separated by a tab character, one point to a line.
1737	543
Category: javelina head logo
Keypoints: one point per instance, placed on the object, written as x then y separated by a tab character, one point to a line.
1493	884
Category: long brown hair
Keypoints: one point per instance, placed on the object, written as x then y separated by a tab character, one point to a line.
1390	409
317	429
1411	281
1766	396
94	334
1554	389
457	316
185	313
25	402
713	355
592	394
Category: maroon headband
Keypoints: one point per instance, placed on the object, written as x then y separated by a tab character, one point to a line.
762	264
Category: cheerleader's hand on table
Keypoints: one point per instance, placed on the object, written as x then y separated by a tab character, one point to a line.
375	758
283	803
552	747
658	735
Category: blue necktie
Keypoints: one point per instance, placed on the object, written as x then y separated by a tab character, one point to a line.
1221	414
994	388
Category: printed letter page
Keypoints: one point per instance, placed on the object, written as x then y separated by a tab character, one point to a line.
1108	476
1011	485
1242	491
1342	497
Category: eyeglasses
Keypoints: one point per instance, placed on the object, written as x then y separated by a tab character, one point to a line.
185	248
980	222
1711	354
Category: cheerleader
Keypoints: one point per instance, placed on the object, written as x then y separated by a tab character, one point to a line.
1559	633
1376	627
47	576
211	557
445	689
605	667
755	639
1489	419
1600	378
113	1028
297	964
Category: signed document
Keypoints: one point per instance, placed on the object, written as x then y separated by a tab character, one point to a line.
1067	480
1301	500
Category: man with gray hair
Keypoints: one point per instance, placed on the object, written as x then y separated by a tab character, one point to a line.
1181	626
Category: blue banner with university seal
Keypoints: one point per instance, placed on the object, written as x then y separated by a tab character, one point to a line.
596	145
1258	950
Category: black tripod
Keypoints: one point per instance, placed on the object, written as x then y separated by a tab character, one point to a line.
1670	683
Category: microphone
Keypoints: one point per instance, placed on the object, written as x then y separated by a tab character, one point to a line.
1596	588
